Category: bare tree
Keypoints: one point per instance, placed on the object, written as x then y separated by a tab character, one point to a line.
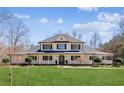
74	34
80	36
95	40
121	26
4	14
15	33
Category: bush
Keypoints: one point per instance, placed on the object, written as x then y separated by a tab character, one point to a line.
28	59
117	62
97	60
5	60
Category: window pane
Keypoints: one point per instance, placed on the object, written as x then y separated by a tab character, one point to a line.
47	46
50	57
61	46
45	57
109	58
75	46
74	57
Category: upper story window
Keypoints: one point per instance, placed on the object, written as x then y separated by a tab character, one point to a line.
47	46
61	46
75	46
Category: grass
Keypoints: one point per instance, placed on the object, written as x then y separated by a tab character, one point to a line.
53	76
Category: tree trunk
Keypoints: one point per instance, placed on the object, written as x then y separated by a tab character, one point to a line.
27	76
10	74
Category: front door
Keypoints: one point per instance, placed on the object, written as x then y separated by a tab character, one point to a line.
61	59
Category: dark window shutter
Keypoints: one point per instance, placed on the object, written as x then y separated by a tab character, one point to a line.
43	46
57	46
71	46
65	46
51	46
79	46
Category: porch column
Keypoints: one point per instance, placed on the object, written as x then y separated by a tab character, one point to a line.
39	59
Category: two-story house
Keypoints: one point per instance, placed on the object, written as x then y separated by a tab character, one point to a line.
61	49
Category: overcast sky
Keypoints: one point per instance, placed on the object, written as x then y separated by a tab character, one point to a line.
44	22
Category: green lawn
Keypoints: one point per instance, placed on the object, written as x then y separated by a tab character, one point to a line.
49	76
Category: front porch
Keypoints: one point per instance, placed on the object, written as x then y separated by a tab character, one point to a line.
57	58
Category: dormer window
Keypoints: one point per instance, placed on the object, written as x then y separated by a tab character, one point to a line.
47	46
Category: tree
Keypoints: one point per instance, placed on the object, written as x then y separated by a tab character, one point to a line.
74	34
80	36
29	60
95	40
15	32
7	60
121	26
4	14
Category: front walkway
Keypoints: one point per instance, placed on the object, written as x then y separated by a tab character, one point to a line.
89	67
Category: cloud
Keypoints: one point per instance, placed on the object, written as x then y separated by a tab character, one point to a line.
21	16
88	8
103	28
105	25
93	26
44	20
59	21
109	17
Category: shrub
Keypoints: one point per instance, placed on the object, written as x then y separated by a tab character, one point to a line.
28	59
5	60
117	62
97	60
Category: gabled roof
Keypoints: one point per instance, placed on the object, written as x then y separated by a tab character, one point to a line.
55	38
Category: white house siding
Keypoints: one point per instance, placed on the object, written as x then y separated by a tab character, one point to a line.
105	61
18	58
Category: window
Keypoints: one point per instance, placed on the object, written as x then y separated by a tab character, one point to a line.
47	46
108	57
74	57
61	46
90	58
47	58
50	57
34	57
75	46
103	58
